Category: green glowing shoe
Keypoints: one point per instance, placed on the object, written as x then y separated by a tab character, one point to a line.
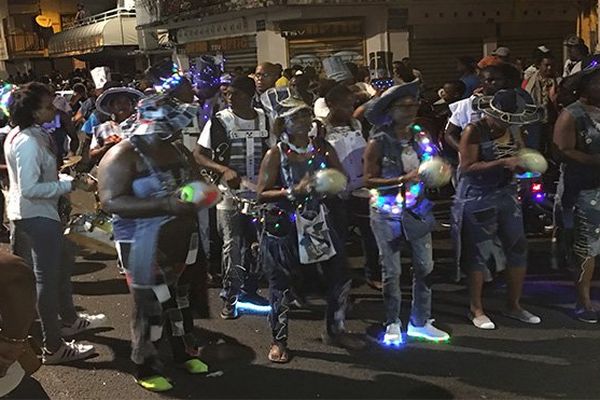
155	383
195	366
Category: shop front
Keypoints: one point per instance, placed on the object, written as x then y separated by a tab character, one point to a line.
310	41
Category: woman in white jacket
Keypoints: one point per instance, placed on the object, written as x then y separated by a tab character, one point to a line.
36	230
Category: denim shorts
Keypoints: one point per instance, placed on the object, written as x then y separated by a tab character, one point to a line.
587	224
492	232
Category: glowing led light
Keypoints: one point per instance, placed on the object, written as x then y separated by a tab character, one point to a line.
396	210
536	187
252	308
323	165
417	127
426	140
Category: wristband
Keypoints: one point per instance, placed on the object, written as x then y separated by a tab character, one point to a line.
290	194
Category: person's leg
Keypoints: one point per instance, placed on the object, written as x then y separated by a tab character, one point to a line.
338	288
233	271
476	279
146	332
388	236
422	261
583	283
277	259
45	237
511	233
249	253
67	311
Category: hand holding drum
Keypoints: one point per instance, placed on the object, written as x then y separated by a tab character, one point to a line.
435	173
203	195
533	161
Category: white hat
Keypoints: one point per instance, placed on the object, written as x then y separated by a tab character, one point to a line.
100	75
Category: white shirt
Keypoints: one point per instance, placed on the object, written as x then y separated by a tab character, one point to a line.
571	68
205	141
463	113
34	184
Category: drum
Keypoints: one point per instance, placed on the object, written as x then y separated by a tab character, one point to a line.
92	231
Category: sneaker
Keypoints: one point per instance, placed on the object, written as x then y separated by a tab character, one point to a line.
229	310
195	366
393	334
68	351
155	383
427	331
482	322
83	323
523	316
585	315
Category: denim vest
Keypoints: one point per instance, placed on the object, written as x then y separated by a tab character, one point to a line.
578	176
492	178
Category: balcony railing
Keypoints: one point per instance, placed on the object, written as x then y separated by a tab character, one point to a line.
21	43
158	11
115	13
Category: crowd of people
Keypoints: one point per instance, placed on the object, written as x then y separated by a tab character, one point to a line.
268	148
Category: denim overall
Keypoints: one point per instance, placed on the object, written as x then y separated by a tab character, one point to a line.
578	194
154	269
279	253
390	233
487	219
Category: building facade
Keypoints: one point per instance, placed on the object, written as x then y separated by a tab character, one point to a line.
431	32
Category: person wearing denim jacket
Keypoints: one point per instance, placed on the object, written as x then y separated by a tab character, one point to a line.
399	211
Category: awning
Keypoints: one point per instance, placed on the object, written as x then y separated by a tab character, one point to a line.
93	38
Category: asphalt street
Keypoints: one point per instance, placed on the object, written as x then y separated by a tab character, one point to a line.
557	359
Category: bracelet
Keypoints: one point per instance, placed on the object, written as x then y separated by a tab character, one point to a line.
290	194
12	340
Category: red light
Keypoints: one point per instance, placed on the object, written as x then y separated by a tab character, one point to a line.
536	187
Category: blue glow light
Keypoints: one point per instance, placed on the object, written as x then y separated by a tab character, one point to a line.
528	175
393	344
252	308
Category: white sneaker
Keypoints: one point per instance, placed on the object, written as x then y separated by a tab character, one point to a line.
393	334
83	323
427	331
68	351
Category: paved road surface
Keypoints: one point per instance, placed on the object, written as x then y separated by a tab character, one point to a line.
557	359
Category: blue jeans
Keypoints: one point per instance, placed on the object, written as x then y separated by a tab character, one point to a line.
41	243
388	233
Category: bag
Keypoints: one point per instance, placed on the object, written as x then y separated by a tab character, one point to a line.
314	239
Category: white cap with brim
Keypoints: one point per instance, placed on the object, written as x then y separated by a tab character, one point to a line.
107	95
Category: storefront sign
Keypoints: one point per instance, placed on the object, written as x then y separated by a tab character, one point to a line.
213	31
321	28
220	45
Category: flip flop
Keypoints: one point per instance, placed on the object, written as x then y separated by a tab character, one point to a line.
279	353
482	322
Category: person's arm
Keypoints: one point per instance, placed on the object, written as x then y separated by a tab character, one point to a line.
372	169
28	171
565	134
452	135
469	154
17	308
116	172
266	188
202	153
71	133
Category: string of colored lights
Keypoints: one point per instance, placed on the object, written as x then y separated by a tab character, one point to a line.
393	203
